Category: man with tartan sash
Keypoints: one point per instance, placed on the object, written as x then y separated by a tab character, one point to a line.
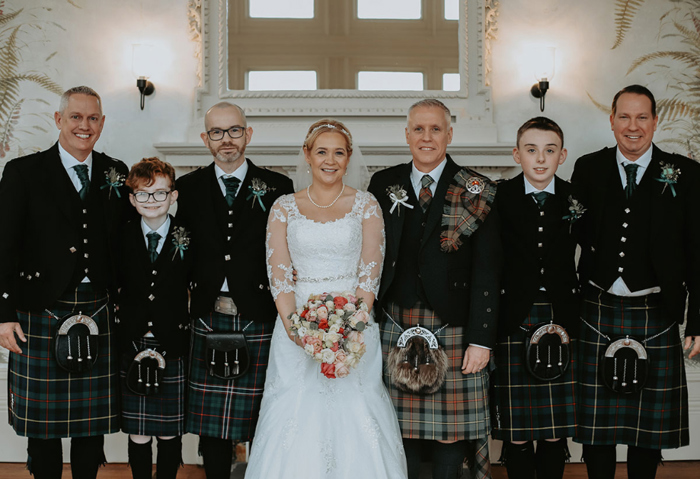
441	271
61	211
639	269
226	206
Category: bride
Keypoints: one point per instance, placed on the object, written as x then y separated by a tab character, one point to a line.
311	426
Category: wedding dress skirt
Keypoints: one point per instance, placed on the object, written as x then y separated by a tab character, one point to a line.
311	426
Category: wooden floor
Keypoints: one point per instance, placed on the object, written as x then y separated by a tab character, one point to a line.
670	470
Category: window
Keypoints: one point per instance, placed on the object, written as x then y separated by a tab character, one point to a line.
282	80
450	82
389	9
390	81
452	9
281	8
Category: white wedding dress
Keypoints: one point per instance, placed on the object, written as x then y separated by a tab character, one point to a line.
311	426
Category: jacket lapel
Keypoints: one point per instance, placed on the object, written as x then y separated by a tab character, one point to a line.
394	221
437	203
68	198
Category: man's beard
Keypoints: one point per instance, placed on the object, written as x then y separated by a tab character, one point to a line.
231	158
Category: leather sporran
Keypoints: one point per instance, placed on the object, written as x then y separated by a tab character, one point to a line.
418	364
227	355
547	351
76	343
145	373
624	366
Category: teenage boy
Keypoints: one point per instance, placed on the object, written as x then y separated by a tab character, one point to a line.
154	321
539	289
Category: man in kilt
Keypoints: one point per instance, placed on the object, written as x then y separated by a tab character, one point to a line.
441	271
639	268
540	287
61	211
153	326
226	206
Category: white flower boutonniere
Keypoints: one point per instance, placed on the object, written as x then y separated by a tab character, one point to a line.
114	181
669	176
181	241
257	189
398	196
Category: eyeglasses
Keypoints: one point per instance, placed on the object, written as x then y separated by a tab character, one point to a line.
234	132
158	196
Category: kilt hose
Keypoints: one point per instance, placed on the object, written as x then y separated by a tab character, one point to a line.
524	408
162	414
47	402
655	418
217	407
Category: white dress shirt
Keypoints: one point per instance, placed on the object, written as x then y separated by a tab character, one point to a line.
417	175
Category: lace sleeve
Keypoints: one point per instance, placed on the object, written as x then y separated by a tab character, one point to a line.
372	257
279	263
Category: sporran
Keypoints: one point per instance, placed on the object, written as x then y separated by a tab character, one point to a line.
547	351
145	373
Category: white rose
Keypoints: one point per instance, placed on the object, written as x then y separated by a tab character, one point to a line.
351	360
333	337
309	349
334	328
328	356
302	331
330	304
353	347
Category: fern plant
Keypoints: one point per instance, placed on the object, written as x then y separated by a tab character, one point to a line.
625	10
12	78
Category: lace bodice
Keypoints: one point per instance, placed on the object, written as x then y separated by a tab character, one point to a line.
339	255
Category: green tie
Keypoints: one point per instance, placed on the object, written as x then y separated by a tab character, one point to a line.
153	239
231	183
540	198
82	172
631	170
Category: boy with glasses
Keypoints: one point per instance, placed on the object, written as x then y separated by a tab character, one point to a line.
153	318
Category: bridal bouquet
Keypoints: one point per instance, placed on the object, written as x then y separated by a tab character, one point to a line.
330	327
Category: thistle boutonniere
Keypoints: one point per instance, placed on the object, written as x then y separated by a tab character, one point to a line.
257	189
114	181
181	241
398	197
576	211
669	176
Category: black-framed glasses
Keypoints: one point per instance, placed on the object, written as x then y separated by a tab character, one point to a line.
216	134
158	196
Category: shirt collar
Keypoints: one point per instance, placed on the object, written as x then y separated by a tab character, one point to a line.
531	189
162	230
643	161
239	173
435	173
69	161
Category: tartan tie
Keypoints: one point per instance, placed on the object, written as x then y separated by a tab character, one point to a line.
540	198
231	183
82	172
153	239
631	170
425	194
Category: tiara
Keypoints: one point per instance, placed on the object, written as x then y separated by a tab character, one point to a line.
328	125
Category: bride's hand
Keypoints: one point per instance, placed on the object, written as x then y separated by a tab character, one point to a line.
295	339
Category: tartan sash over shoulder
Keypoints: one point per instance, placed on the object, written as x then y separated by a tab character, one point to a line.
465	210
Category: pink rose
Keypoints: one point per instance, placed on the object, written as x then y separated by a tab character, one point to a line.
322	312
335	346
340	356
341	370
355	336
349	307
362	316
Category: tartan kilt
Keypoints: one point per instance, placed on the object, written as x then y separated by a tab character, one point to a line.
525	408
459	409
160	415
657	417
47	402
220	408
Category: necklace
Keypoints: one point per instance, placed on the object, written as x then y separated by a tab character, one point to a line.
327	206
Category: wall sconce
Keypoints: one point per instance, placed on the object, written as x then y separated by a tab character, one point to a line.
141	66
543	62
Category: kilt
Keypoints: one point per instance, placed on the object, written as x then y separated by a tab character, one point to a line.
657	417
220	408
525	408
459	409
161	415
47	402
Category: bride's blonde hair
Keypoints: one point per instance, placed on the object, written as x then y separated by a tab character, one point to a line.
327	125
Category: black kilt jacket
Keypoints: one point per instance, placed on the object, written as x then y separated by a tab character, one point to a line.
462	287
42	244
539	248
230	242
674	237
154	296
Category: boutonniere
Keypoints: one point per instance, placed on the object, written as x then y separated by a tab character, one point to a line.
114	181
576	211
258	188
181	242
398	196
669	176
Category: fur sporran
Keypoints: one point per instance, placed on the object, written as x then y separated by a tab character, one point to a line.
418	364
